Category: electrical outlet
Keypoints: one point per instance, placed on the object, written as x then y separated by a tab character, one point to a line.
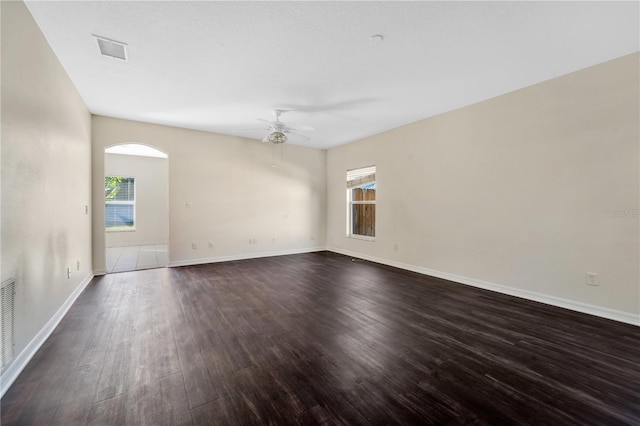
592	279
68	272
395	247
211	245
273	240
78	265
194	246
86	209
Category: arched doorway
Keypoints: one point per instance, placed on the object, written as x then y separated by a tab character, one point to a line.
136	187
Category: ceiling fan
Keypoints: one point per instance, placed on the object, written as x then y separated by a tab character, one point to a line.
278	131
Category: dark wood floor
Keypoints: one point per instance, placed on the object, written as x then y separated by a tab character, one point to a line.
319	339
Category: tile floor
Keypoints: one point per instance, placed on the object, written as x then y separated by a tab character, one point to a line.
133	258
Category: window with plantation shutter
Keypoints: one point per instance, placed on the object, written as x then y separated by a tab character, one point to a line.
120	203
361	202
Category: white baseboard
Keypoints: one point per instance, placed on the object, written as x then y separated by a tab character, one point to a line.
599	311
189	262
134	244
98	272
14	369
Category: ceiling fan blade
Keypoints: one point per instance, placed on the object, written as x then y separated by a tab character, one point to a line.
302	128
250	128
299	135
331	106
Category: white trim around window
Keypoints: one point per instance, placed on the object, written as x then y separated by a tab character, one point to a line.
364	180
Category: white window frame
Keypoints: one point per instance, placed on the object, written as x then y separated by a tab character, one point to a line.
368	174
120	202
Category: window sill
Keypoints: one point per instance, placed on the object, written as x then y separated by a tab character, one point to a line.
121	229
361	237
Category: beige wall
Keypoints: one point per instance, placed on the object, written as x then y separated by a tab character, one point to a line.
46	175
513	191
224	190
152	198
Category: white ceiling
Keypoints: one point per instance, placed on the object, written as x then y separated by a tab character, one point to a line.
219	66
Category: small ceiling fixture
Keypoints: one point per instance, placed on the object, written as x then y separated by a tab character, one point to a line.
276	137
111	48
376	39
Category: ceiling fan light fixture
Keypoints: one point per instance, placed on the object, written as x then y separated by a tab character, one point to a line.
277	137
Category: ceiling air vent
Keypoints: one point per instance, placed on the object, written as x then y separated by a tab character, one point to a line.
111	48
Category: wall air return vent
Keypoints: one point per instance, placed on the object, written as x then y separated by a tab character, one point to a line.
111	48
7	321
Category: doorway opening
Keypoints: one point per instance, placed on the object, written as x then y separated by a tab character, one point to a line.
136	202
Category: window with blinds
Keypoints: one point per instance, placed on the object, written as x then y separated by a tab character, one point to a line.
361	202
120	203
